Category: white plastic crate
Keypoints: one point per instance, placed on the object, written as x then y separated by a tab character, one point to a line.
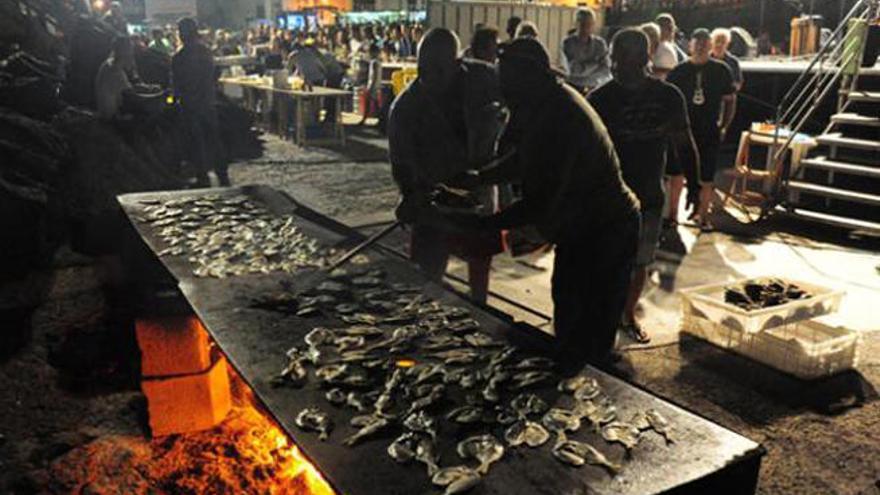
807	349
708	302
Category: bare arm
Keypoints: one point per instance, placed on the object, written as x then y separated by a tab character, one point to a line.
687	151
728	112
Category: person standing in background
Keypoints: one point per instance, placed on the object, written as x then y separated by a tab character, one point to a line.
720	43
484	44
112	80
192	75
585	55
667	55
513	23
159	43
402	41
373	86
115	18
307	64
527	29
341	46
708	88
652	31
415	37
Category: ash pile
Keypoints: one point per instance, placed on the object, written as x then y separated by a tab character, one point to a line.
61	166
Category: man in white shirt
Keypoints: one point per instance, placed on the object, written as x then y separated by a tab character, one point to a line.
585	55
667	55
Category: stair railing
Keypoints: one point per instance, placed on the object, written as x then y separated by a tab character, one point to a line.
825	69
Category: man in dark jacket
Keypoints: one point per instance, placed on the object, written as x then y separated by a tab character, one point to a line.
192	74
574	194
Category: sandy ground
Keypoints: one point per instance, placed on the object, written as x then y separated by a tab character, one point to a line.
70	392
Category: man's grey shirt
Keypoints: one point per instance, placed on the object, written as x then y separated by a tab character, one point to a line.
585	62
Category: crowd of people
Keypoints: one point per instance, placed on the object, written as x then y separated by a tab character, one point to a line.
592	153
597	150
118	87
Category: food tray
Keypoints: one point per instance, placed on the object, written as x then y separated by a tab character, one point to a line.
807	350
708	302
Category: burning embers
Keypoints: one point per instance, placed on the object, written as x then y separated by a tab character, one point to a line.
247	453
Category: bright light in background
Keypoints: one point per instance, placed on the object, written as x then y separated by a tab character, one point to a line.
98	4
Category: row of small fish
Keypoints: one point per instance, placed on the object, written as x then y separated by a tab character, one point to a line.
231	236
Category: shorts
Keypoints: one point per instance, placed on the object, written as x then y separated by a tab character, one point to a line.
649	236
708	148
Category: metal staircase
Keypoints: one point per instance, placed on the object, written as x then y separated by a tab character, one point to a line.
838	183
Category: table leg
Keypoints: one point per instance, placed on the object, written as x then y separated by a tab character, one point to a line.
340	128
281	122
300	124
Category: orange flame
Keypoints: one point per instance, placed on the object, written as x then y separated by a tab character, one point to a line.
294	466
294	474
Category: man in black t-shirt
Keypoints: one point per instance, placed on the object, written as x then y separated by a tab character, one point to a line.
643	114
707	86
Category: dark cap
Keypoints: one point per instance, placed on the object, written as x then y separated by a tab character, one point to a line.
527	50
701	34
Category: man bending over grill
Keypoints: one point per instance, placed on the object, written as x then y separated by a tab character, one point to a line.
574	194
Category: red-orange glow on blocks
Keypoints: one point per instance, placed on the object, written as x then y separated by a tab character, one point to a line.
176	345
188	403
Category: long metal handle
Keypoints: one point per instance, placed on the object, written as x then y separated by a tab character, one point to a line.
369	241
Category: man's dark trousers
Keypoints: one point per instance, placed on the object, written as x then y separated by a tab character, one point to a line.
591	276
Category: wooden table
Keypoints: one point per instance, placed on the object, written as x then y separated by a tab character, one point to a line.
299	99
705	458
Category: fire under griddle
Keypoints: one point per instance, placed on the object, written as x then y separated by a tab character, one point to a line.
704	456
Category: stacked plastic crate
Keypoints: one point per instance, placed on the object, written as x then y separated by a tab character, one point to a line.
786	337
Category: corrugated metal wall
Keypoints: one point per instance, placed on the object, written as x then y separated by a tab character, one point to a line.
553	21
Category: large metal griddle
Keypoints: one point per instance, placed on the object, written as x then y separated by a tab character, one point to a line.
704	457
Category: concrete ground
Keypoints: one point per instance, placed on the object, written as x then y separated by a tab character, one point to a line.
822	437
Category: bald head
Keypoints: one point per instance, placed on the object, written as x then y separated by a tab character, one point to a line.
438	59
